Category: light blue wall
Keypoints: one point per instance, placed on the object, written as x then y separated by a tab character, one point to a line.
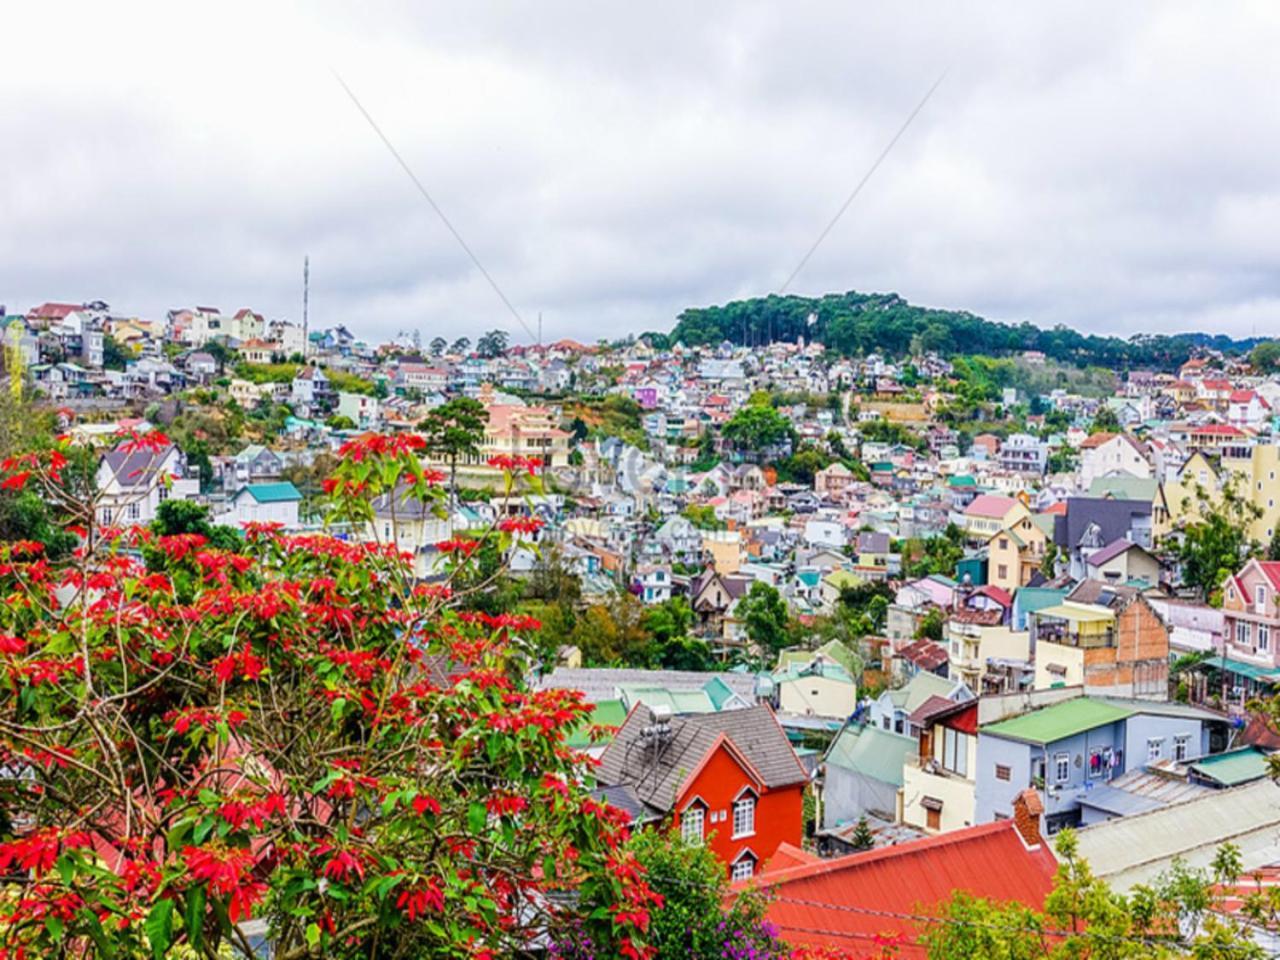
995	797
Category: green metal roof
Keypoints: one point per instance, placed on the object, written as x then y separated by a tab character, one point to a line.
962	480
606	713
678	701
282	492
1062	720
1233	767
1125	488
872	752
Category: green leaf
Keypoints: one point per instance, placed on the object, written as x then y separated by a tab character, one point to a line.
193	917
477	816
159	928
313	935
99	936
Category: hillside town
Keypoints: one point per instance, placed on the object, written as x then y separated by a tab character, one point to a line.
861	626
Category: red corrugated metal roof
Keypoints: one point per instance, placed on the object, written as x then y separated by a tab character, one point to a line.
849	901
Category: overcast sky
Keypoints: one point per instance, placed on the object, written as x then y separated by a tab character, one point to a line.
1113	167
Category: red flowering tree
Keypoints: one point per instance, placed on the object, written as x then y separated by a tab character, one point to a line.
291	741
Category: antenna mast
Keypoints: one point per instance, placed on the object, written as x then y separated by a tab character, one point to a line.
306	290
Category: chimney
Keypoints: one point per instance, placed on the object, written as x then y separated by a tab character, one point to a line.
1027	808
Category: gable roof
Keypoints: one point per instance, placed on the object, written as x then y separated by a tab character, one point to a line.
990	505
136	468
1112	550
1113	517
753	733
880	892
872	752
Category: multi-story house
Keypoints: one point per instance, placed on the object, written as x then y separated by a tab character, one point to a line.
1064	750
1110	453
311	388
1092	523
938	785
1105	637
653	583
979	640
133	483
729	780
1025	454
1016	553
988	514
1251	628
246	325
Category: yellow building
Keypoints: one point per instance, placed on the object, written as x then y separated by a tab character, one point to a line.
1016	552
975	638
725	548
939	782
1257	470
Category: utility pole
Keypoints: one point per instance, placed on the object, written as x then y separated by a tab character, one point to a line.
539	329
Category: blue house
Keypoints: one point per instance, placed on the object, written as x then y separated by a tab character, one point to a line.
1071	747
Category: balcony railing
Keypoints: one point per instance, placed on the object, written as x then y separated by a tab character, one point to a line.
1061	634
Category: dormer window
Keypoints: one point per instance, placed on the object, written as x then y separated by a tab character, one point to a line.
1260	598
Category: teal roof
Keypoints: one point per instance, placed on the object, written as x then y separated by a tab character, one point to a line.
963	480
282	492
833	651
1031	599
1233	767
718	692
1062	720
809	577
606	713
872	752
1239	668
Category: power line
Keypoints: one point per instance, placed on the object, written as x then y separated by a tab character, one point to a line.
920	918
431	201
863	182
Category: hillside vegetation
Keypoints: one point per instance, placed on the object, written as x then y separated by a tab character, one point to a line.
860	323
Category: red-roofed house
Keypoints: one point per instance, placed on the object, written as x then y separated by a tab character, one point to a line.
850	901
988	514
50	313
939	783
1247	410
1252	621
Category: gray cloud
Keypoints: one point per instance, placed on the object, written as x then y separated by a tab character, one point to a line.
612	164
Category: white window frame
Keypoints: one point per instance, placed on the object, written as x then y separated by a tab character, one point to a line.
1260	598
744	868
693	835
1243	634
133	510
1155	748
1061	767
1264	637
745	801
1181	746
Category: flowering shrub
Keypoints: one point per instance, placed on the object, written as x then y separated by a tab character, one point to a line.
292	734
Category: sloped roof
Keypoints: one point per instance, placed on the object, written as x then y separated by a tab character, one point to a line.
1233	767
1139	848
1053	723
925	654
854	899
990	505
282	492
602	683
872	752
919	689
1113	517
754	733
136	468
1111	551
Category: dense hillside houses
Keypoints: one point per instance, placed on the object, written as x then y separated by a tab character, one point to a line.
868	627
